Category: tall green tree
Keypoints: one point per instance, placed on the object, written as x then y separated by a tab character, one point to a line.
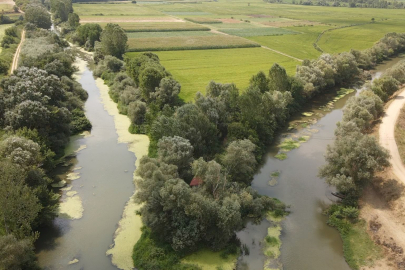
113	40
38	15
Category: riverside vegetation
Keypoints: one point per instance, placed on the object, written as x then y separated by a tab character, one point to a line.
197	143
40	107
353	160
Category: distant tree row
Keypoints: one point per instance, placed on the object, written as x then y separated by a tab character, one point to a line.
347	3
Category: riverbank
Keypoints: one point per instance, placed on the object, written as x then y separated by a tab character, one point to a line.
382	204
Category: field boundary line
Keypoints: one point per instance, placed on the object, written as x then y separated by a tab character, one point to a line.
315	44
17	53
213	30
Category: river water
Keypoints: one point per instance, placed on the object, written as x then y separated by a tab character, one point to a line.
106	171
104	183
308	243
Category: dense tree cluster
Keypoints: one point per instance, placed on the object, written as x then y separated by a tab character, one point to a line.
38	15
347	3
340	69
40	107
86	35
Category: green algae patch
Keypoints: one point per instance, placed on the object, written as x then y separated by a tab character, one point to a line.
210	260
289	144
281	156
271	244
303	139
71	207
274	176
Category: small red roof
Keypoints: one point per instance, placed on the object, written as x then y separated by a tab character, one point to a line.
196	181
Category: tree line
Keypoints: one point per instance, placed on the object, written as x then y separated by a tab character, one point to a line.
355	156
347	3
41	106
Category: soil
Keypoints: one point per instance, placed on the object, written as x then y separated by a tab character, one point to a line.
382	204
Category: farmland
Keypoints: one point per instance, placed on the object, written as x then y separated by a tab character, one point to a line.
166	27
229	67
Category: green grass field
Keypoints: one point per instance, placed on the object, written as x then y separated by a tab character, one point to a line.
195	69
3	28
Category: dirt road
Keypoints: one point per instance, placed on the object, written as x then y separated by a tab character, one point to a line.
387	137
14	65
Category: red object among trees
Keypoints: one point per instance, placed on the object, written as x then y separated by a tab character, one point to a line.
196	181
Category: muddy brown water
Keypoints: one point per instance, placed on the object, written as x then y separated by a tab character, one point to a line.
308	243
105	184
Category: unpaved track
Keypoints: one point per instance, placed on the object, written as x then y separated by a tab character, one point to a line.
387	136
17	53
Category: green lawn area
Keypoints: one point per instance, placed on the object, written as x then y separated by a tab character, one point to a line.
3	28
209	260
358	37
300	45
358	247
195	69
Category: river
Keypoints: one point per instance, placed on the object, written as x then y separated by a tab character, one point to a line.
102	183
307	241
106	171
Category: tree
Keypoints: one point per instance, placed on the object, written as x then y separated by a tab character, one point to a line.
176	151
260	81
113	40
19	206
362	110
38	15
61	9
240	161
149	80
17	254
167	92
87	34
352	161
278	79
74	20
136	112
21	151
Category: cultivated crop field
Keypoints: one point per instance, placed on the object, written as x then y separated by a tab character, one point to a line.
188	42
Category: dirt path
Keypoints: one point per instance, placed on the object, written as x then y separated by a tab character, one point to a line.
17	53
387	137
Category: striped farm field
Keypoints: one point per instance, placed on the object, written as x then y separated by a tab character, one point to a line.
159	26
170	34
114	9
188	43
195	69
258	31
